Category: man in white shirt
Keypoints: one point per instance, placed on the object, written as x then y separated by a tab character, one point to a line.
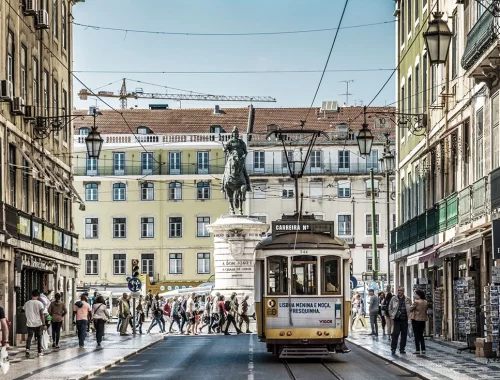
189	313
35	321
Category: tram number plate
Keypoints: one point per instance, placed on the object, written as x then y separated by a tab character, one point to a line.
272	308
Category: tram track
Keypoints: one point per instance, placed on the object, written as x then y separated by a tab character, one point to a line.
310	370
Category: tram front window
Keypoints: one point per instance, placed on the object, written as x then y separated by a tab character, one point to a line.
277	275
304	275
330	274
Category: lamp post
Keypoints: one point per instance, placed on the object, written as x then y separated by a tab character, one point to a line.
94	140
437	39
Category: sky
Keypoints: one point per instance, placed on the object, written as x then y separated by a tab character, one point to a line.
369	47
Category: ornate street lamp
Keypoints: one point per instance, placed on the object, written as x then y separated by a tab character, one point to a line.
437	39
365	138
94	140
388	162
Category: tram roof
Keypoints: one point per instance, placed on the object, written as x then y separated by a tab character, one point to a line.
302	241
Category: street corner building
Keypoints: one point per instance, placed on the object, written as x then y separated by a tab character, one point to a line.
156	186
448	163
38	246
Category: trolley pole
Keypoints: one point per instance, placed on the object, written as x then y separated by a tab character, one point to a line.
388	209
374	230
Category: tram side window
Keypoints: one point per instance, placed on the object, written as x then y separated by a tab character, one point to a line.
330	274
277	275
304	275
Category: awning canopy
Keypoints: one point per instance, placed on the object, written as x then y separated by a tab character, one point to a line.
431	253
413	259
463	245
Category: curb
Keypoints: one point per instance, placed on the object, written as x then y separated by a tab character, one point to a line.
393	362
126	357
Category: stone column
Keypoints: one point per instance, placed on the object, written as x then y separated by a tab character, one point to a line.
235	238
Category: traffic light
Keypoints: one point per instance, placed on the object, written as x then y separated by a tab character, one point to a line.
135	268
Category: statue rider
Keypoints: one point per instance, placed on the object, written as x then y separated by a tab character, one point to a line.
235	144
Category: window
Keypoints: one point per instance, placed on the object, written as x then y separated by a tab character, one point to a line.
147	227
118	162
146	163
372	160
409	185
64	110
64	39
91	166
12	174
175	263
10	59
66	213
91	228
417	10
91	192
36	197
410	20
315	161
55	100
394	225
119	228
344	159
330	278
259	190
316	189
417	89
344	189
203	263
24	73
119	264
495	121
403	99
401	17
57	208
55	14
203	190
409	87
284	162
48	209
147	191
369	261
175	162
368	184
147	261
25	185
202	163
144	130
454	50
344	225
424	83
35	84
402	191
175	227
46	92
175	191
259	162
84	131
118	191
287	192
277	275
369	224
304	275
202	223
433	83
479	144
91	264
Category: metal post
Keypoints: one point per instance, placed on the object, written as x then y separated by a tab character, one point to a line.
388	209
296	179
374	230
133	317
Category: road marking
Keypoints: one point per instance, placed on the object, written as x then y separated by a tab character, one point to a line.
250	358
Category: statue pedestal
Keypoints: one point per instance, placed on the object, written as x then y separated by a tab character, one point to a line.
235	238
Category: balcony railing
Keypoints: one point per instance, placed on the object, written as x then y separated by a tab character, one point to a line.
124	139
479	192
464	205
324	169
184	169
31	229
482	35
495	189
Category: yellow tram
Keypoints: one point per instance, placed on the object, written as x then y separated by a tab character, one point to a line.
302	297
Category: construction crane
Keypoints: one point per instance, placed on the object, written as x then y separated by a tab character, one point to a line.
140	94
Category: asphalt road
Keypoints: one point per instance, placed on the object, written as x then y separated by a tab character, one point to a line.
243	357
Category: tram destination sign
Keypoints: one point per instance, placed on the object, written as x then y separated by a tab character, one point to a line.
314	227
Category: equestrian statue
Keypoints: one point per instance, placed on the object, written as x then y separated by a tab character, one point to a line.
235	182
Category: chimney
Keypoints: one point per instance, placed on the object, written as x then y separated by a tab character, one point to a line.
216	110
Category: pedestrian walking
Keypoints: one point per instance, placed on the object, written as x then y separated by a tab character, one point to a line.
82	314
124	313
176	318
418	316
149	302
399	310
381	299
101	316
190	308
221	312
373	310
385	311
207	315
167	313
183	302
243	313
231	309
358	311
4	328
215	316
140	317
35	321
157	311
57	310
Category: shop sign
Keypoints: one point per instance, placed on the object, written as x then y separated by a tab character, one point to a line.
496	238
33	262
48	235
24	226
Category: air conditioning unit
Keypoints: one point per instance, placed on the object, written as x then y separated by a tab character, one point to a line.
6	90
30	112
42	19
329	106
30	7
17	106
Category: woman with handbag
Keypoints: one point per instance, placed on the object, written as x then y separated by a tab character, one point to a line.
57	310
101	316
418	316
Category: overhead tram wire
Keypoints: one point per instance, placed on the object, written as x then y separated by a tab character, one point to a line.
141	31
229	72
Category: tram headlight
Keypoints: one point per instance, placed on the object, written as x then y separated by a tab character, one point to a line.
319	333
282	333
326	333
289	333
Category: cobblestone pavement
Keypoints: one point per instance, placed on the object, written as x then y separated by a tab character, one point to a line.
441	361
72	362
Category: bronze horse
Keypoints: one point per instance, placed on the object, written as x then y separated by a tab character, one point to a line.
233	182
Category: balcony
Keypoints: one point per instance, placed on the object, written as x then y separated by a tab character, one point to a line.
480	45
171	138
324	169
479	193
495	189
29	228
137	170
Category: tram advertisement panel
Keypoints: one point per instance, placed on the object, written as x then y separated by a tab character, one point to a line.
305	312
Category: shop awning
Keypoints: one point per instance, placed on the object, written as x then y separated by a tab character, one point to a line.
413	259
462	245
431	253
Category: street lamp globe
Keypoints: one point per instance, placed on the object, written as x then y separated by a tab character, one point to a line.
389	162
365	140
94	143
437	39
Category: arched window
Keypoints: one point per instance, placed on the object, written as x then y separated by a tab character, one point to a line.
175	191
119	190
91	192
147	191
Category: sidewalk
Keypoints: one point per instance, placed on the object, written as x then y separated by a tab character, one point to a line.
72	362
441	360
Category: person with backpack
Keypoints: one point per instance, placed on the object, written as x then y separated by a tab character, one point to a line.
243	313
57	310
157	315
175	312
101	316
81	316
231	307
